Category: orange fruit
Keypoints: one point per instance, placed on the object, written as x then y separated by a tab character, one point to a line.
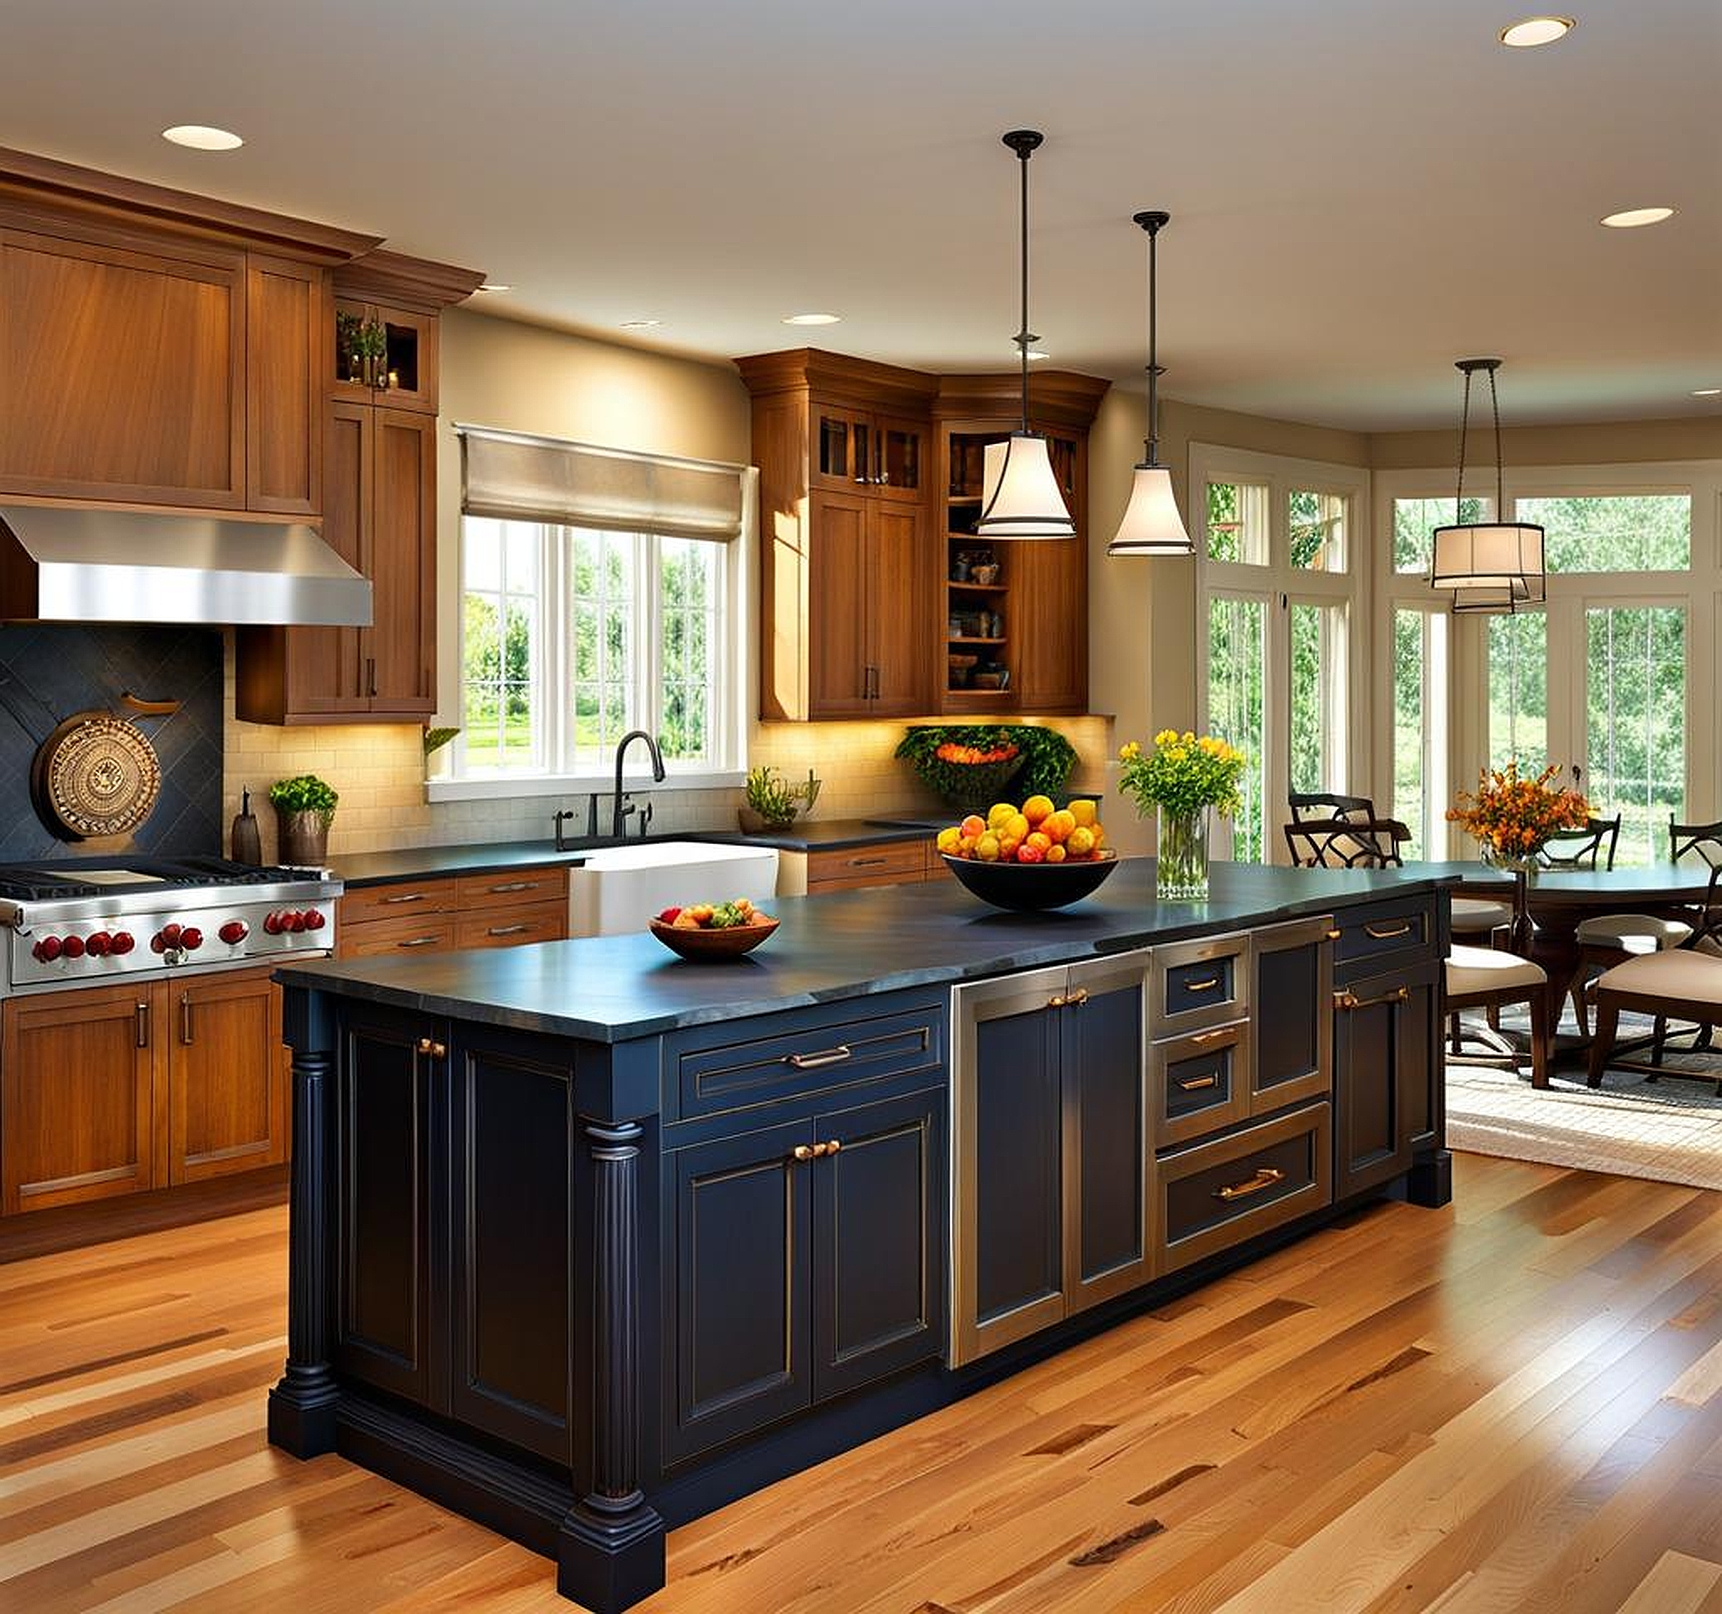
973	826
1055	853
1036	808
1038	840
949	839
1083	811
1008	845
1059	825
987	849
1080	842
1099	837
1017	827
1001	812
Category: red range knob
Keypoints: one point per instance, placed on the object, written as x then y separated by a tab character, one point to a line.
314	920
191	938
170	935
122	942
46	950
99	945
293	921
234	932
73	947
272	924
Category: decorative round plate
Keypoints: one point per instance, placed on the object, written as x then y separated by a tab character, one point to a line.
99	775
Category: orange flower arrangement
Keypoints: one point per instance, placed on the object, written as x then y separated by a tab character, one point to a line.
1513	816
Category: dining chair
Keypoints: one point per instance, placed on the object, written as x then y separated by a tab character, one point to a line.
1683	983
1343	843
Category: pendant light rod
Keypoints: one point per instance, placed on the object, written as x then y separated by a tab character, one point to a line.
1024	142
1468	367
1153	221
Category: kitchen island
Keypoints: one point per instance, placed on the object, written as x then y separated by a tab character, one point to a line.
587	1240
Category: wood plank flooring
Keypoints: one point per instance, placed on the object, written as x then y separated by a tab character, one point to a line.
1514	1405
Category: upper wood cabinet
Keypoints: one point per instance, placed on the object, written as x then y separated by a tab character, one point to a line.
287	313
844	449
406	376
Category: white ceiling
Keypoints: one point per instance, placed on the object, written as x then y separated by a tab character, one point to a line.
1361	190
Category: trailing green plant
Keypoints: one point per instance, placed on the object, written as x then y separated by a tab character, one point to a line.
304	793
1048	757
775	799
436	739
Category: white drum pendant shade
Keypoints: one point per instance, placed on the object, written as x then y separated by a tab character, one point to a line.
1487	555
1151	524
1021	496
1519	595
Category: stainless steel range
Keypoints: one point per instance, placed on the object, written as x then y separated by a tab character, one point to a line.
78	922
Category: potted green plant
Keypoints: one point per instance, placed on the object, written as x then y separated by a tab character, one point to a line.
304	810
772	802
364	348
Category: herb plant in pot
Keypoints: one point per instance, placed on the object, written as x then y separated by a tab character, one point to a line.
772	802
304	810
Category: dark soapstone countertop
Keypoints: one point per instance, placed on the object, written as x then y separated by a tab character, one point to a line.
827	948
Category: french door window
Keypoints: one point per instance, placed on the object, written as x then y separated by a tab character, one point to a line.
1635	692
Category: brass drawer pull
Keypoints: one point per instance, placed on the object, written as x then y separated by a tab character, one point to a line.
1202	986
1350	1000
506	930
143	1025
1068	1000
802	1152
514	885
432	1050
833	1145
1388	933
817	1151
826	1056
1229	1033
1265	1178
407	896
1196	1084
867	862
420	941
1334	935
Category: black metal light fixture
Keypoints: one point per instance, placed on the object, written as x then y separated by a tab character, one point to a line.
1151	524
1021	497
1488	566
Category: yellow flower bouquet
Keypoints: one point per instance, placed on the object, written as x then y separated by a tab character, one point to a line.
1181	778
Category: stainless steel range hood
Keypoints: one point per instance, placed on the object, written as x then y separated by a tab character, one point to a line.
66	563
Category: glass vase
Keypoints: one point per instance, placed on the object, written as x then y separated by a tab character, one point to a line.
1181	874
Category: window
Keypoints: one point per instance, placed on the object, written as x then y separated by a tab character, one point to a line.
1419	797
1237	709
1415	519
1519	691
1317	525
1316	753
1238	523
499	647
1635	689
1647	532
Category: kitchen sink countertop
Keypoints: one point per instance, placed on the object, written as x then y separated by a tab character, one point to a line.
359	869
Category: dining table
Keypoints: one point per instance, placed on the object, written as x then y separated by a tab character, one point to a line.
1559	900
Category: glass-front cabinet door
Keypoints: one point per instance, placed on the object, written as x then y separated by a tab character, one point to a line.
843	448
901	463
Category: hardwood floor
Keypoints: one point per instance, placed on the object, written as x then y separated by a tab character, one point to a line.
1515	1404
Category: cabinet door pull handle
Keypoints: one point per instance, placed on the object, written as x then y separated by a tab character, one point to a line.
1196	1084
1333	935
1214	1036
1387	932
867	862
1265	1178
1350	1000
185	1035
1202	986
1079	997
832	1145
430	1049
514	885
506	930
405	896
371	675
1057	1001
143	1025
420	941
802	1152
826	1056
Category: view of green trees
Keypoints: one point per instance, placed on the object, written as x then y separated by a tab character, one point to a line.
1636	684
1640	532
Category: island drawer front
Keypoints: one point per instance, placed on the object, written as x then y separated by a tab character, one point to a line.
1198	984
510	888
710	1071
1215	1195
544	921
374	903
1393	931
413	933
892	863
1199	1083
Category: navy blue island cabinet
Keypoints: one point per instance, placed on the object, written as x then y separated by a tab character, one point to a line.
586	1241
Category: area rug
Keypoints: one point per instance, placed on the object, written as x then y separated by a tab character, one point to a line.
1669	1130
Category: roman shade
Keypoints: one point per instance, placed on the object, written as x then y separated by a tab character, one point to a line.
515	477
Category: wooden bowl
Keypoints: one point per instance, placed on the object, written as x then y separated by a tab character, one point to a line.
701	945
1033	887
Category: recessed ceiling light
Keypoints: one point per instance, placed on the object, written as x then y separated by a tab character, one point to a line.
1708	392
201	137
1637	217
811	319
641	324
496	285
1536	31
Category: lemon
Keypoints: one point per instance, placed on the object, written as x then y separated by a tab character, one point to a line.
1000	814
1083	811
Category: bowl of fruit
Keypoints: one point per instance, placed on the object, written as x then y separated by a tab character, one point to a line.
1030	858
708	930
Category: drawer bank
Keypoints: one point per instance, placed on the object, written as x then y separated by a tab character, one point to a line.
587	1241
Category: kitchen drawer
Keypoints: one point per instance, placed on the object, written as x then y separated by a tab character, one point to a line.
411	933
512	888
1382	933
511	927
1198	984
891	864
1216	1195
1199	1083
374	903
718	1069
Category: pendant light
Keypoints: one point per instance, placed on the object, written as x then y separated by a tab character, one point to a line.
1021	493
1151	524
1489	566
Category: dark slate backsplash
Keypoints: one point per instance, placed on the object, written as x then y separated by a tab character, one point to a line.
49	672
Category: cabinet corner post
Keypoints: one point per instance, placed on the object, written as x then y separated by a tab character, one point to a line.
1430	1181
302	1405
610	1551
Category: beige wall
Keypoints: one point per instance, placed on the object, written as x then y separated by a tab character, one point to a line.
1610	443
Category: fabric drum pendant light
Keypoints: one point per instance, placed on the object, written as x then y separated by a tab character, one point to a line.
1021	496
1488	566
1151	524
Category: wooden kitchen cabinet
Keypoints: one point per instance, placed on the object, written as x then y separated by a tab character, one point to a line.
227	1076
503	909
410	363
286	311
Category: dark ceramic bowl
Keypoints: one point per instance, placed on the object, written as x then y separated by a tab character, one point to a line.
1032	887
703	945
